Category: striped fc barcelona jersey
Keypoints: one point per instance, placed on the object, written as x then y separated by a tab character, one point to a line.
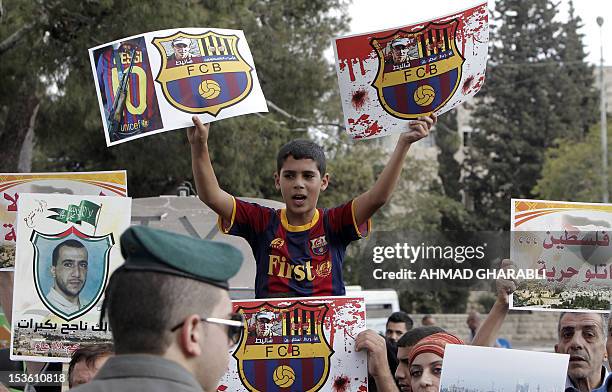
296	261
141	113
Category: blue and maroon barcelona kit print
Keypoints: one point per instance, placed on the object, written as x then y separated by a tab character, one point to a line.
296	261
140	112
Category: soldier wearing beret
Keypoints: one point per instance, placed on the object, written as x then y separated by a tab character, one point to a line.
170	314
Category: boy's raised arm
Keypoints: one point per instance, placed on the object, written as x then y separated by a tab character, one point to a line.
369	202
203	174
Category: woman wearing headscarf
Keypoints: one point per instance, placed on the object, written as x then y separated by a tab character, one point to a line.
425	361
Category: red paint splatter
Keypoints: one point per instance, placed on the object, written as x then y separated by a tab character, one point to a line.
467	84
364	127
222	388
341	383
359	98
362	388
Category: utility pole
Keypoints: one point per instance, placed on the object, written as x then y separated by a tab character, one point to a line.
603	121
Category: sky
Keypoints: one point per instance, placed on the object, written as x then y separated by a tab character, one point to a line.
369	15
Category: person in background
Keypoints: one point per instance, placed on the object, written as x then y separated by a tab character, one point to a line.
86	361
428	320
397	325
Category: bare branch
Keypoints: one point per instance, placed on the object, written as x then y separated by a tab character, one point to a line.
14	38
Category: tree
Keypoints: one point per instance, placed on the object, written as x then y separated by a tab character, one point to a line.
287	40
576	82
572	170
523	106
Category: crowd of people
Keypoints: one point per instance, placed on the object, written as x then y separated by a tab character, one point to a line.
171	316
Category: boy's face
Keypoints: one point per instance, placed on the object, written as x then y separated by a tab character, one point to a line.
300	183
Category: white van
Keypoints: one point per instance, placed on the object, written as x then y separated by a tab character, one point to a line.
379	306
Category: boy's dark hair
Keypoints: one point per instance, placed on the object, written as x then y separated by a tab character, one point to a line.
71	243
301	149
90	354
143	307
413	336
401	317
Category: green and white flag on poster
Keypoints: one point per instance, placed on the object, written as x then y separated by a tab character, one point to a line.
86	211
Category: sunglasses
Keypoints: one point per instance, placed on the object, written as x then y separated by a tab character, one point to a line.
235	326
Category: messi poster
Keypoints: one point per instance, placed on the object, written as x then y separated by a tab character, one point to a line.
298	344
67	248
157	81
392	76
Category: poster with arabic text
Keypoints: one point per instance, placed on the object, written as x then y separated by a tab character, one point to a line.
67	248
155	82
298	344
105	183
390	77
569	244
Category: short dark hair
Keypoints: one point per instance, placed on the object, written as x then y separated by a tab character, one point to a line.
401	317
90	354
143	306
301	149
71	243
413	336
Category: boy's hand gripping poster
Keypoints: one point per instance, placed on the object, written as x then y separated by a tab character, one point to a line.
392	76
155	82
298	344
67	248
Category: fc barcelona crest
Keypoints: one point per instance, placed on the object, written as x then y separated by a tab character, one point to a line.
203	73
284	349
70	270
418	71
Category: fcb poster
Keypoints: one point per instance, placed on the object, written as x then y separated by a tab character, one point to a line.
298	344
393	76
155	82
107	183
67	248
569	244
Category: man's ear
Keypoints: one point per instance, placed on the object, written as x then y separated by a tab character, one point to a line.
53	271
324	181
191	336
277	181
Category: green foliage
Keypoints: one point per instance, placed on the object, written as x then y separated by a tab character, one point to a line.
287	39
533	97
448	301
572	170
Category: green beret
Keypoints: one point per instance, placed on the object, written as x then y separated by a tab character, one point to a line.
148	249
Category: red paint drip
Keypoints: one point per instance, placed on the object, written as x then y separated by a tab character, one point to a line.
359	98
351	72
361	67
467	84
341	383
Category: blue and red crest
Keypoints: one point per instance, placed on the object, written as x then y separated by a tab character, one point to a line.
418	71
318	245
284	349
75	281
202	73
